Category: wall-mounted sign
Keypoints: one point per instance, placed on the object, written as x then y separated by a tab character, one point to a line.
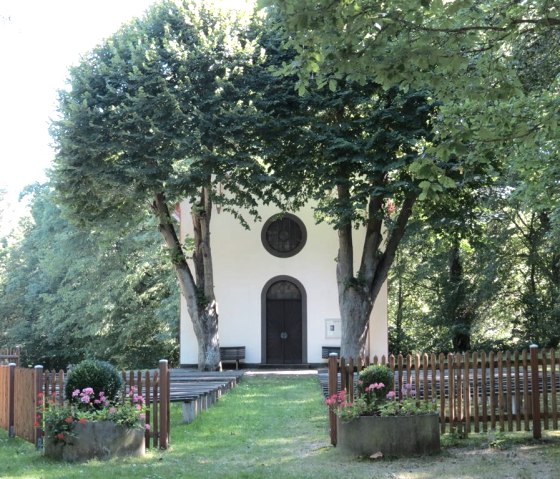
332	328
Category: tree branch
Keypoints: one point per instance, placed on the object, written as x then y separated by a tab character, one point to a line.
395	237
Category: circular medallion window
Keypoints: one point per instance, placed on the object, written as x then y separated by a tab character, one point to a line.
284	235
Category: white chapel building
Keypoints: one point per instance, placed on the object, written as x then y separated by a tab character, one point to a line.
276	289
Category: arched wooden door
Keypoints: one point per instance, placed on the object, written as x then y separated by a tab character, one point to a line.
284	323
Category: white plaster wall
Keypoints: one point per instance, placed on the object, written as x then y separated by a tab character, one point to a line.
242	267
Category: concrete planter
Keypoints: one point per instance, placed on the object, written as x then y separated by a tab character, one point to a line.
392	435
99	440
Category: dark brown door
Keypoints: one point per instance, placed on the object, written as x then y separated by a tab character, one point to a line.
284	324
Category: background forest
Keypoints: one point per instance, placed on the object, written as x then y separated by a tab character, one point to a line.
478	267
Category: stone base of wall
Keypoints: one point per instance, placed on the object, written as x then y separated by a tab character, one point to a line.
100	440
392	436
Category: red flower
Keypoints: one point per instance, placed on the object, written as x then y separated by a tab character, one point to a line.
37	424
83	420
60	435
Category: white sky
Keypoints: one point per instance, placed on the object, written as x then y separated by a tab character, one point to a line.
39	40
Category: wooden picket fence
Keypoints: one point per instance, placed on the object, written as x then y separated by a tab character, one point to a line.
511	391
24	391
10	355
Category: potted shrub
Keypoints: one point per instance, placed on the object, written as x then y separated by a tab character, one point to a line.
94	422
379	422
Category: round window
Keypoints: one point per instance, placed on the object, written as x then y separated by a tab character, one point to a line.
284	235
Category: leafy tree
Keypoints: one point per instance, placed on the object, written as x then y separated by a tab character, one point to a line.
69	294
351	151
154	115
467	54
471	55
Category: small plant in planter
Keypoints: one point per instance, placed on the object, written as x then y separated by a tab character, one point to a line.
376	397
377	422
90	409
95	374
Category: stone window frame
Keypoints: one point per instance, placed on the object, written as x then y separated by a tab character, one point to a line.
285	254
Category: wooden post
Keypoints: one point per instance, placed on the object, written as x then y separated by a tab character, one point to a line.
164	403
535	389
333	380
38	399
11	401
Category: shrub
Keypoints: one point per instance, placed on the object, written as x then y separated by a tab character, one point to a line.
101	376
375	382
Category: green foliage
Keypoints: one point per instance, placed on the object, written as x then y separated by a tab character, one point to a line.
101	376
375	373
159	107
70	294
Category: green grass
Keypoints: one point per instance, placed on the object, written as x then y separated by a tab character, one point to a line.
276	427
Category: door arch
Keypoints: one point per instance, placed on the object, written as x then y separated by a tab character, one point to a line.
284	321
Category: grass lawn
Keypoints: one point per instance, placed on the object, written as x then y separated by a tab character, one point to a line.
276	427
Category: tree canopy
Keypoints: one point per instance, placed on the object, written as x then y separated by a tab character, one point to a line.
70	294
155	115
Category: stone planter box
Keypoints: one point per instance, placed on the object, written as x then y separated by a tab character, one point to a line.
100	440
392	435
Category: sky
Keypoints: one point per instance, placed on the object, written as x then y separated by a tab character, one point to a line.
39	40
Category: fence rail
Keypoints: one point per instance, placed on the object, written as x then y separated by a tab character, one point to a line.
510	391
23	390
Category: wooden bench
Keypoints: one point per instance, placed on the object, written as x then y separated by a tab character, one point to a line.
327	350
232	353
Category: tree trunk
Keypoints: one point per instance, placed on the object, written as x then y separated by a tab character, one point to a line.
458	308
355	309
357	294
206	331
202	307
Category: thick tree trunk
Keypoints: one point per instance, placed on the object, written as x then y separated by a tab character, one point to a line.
206	331
355	308
201	304
358	293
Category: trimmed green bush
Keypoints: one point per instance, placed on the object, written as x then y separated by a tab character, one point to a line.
375	374
92	373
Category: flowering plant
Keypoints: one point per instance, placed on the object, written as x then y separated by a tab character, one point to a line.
378	398
87	406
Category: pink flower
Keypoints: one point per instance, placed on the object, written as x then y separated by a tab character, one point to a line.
88	391
113	410
142	416
60	435
76	393
374	386
85	399
83	420
391	395
148	427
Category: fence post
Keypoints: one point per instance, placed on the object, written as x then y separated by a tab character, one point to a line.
333	373
11	401
164	403
38	400
535	389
